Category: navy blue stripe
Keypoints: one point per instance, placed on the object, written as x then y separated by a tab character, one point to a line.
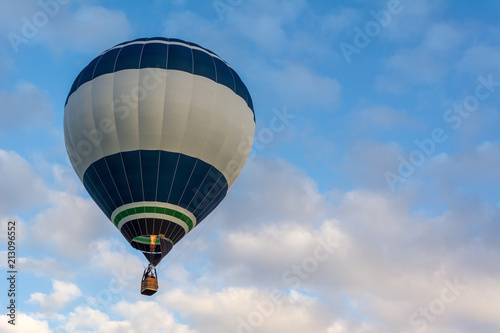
167	56
155	175
154	55
149	166
132	164
106	64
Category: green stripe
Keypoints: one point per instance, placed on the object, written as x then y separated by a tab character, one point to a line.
148	240
157	210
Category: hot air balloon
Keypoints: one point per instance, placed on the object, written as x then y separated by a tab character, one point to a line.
158	130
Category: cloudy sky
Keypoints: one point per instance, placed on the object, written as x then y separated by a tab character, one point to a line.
369	203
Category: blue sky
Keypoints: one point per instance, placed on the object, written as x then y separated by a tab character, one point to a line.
374	208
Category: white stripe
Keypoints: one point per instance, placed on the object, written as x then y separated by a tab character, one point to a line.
153	215
152	204
212	130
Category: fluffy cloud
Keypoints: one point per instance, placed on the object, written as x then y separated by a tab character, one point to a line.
261	264
66	223
267	26
381	117
25	323
473	170
45	267
78	31
140	316
110	255
267	256
442	37
366	162
414	17
264	264
426	63
336	22
300	86
85	319
69	225
63	293
268	191
481	59
22	188
247	310
61	27
389	263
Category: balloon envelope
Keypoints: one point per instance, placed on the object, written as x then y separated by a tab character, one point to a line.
157	130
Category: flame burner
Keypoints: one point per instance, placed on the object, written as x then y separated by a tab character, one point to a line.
153	243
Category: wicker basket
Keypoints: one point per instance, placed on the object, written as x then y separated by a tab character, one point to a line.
149	286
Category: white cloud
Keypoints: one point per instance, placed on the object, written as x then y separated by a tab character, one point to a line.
86	319
61	27
474	168
13	12
63	293
69	225
109	258
481	59
266	26
265	23
77	30
268	191
426	63
110	254
334	23
158	319
409	67
366	162
267	31
141	316
63	176
265	255
442	37
477	163
45	267
247	310
65	223
389	263
25	323
380	117
393	257
299	86
414	17
21	188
